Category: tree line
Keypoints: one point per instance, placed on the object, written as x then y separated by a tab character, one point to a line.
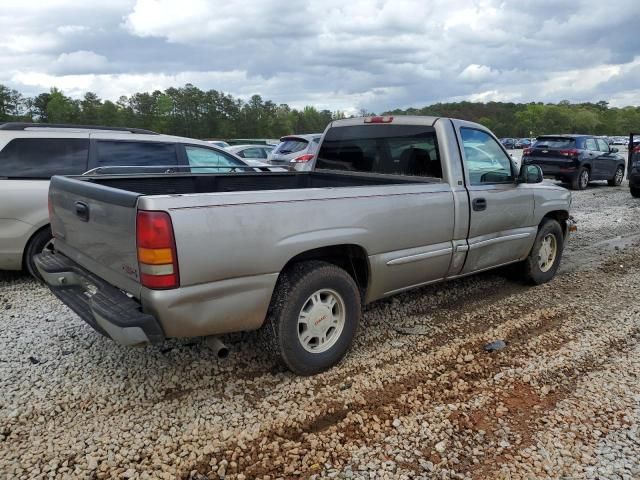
191	112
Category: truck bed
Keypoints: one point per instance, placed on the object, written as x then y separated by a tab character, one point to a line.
174	184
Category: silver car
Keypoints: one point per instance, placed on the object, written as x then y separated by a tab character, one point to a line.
295	151
252	153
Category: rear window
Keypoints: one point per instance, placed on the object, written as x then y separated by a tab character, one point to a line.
112	153
555	142
44	157
387	149
292	145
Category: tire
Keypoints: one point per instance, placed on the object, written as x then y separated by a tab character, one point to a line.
581	180
635	192
40	242
303	292
536	271
616	181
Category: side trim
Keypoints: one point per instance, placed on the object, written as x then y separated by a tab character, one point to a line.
419	256
504	238
410	287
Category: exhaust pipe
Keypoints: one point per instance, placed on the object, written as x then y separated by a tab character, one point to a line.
215	344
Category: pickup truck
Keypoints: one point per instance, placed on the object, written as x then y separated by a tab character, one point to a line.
392	203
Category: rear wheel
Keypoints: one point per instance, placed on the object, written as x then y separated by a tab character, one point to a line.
581	180
544	259
313	317
42	241
635	192
616	181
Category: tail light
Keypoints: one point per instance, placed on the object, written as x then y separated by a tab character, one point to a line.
157	256
636	149
569	153
526	152
303	158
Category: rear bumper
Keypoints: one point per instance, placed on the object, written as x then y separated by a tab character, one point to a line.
553	169
107	309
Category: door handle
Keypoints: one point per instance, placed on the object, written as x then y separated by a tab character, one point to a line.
82	211
479	204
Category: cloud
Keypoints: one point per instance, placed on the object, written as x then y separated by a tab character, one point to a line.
81	61
372	54
477	73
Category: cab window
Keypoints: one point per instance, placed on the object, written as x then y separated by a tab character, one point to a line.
384	149
486	161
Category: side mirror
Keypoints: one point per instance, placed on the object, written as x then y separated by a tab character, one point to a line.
613	150
530	174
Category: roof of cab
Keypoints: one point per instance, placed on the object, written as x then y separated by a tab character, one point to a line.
396	120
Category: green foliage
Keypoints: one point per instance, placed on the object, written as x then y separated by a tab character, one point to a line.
192	112
532	119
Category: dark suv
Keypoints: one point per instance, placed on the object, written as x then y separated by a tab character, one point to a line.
576	159
634	164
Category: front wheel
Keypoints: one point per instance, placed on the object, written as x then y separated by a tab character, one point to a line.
544	259
616	181
313	317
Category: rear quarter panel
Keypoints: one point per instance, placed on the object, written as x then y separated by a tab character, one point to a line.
23	211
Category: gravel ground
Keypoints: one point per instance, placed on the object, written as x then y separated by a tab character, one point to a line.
417	397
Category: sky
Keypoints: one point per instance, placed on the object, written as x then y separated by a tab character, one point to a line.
343	55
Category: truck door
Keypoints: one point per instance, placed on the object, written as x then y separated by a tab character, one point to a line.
501	210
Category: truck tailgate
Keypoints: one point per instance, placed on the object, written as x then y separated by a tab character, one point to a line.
95	226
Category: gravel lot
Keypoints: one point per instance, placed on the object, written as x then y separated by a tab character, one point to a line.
417	397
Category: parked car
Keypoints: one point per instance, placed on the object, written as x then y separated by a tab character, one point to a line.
295	151
218	143
252	141
252	152
576	159
509	143
31	153
634	164
523	143
391	204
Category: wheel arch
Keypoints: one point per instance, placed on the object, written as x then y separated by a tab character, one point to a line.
350	257
560	216
29	240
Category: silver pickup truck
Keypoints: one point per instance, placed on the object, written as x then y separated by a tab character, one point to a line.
392	203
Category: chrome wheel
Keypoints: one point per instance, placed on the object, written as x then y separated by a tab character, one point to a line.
321	321
547	253
584	179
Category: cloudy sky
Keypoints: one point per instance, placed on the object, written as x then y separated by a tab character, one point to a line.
335	54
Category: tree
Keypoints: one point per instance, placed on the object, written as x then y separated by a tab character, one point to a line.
61	109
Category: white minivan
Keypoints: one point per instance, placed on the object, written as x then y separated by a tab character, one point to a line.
31	153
